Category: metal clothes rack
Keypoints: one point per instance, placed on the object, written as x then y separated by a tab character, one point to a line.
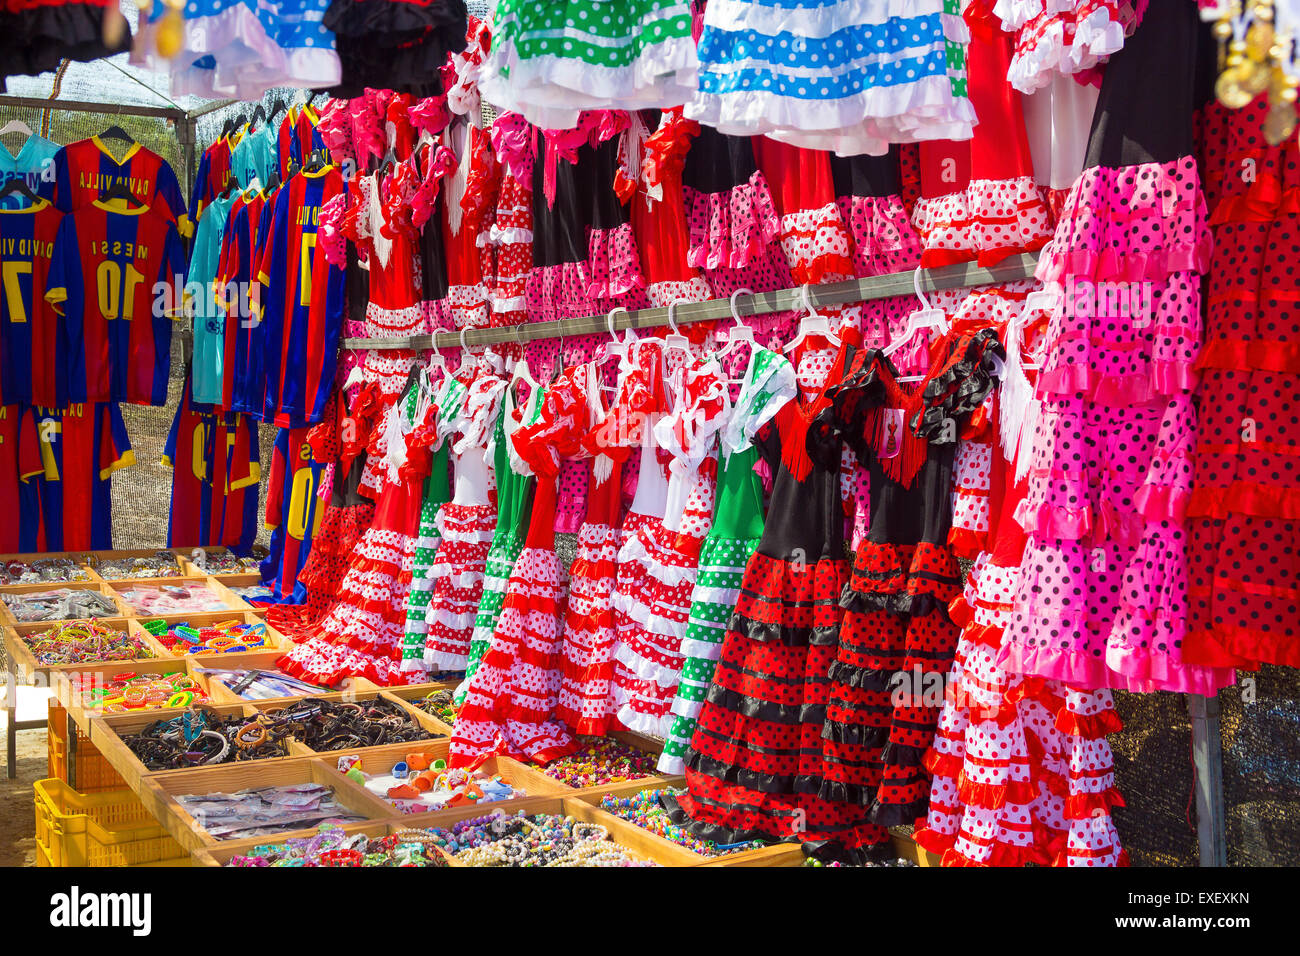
962	275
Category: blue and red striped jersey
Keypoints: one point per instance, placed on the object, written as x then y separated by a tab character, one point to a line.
84	169
293	512
303	302
33	339
117	277
214	457
81	447
243	385
212	178
298	137
20	471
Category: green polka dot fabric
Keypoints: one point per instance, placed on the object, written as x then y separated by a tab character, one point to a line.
551	60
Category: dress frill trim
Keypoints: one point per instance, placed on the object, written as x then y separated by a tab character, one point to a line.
986	222
760	617
902	579
732	229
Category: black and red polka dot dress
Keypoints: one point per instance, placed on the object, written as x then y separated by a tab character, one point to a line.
756	761
897	641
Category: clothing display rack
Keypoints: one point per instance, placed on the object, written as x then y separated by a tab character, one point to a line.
962	275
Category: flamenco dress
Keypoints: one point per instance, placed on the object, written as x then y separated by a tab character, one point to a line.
369	619
799	72
510	704
755	764
1098	600
768	384
868	193
649	658
394	44
585	704
433	438
1022	771
735	232
1244	511
515	485
511	234
466	526
550	61
897	640
1064	37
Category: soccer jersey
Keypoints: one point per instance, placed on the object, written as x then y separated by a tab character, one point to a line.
254	158
20	470
81	446
243	375
298	137
33	163
209	319
212	178
33	338
214	458
293	513
110	260
303	300
83	170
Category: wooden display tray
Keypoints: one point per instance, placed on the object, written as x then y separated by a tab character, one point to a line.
99	587
372	762
536	774
94	557
87	560
24	661
158	792
360	696
191	566
261	660
276	643
410	692
233	601
63	681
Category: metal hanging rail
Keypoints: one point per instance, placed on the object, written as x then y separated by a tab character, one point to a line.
81	106
962	275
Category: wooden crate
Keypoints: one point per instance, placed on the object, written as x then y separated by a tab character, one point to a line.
222	853
80	557
193	566
107	731
71	683
909	849
7	616
233	603
255	660
780	854
641	783
97	557
159	793
359	696
404	696
274	641
24	661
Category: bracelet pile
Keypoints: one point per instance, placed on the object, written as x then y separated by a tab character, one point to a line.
541	840
438	704
226	637
328	725
331	846
645	811
85	642
60	604
223	562
45	571
160	565
201	737
131	691
600	761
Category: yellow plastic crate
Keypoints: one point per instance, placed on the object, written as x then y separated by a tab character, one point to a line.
94	772
99	829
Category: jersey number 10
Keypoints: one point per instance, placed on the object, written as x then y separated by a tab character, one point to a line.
108	283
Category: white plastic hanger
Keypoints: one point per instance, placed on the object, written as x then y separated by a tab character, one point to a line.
355	377
926	317
676	340
1037	301
740	333
16	126
466	356
812	324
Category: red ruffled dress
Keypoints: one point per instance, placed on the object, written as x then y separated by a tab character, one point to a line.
511	699
511	235
1244	511
585	704
368	621
756	764
1022	771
